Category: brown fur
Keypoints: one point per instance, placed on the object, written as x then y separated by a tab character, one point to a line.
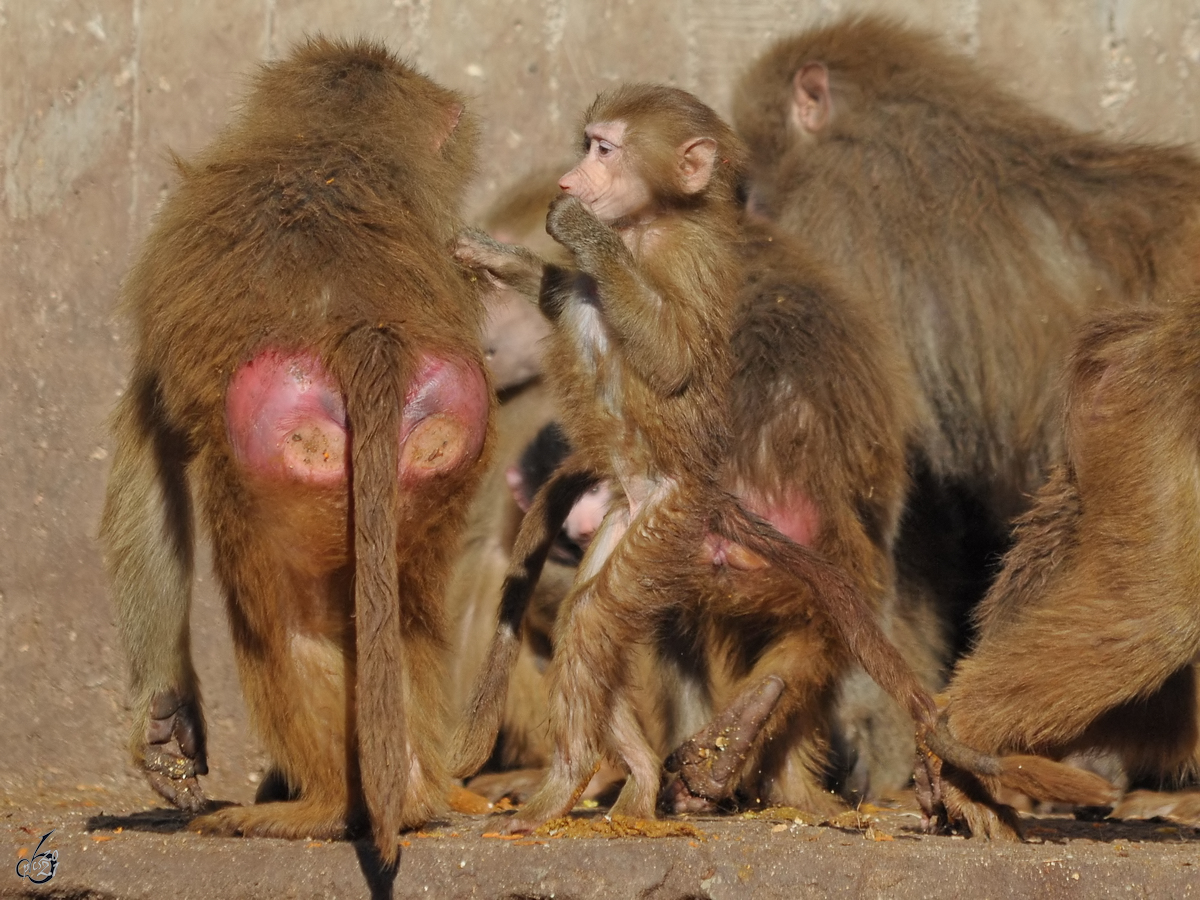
641	362
320	219
1090	637
981	231
515	328
815	420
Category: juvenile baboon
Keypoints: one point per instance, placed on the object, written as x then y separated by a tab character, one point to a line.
308	367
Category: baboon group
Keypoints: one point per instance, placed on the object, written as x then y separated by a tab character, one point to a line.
847	446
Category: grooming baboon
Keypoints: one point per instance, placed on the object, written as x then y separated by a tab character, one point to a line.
308	366
513	343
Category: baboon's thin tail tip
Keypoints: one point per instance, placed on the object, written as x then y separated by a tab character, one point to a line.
1046	779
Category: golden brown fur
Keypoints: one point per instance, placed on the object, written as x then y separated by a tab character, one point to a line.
1091	635
320	223
981	231
817	423
515	332
817	426
641	361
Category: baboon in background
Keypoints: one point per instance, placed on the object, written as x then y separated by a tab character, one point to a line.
308	365
515	328
1090	637
982	231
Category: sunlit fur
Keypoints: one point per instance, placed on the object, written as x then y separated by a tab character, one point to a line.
982	232
1090	637
320	220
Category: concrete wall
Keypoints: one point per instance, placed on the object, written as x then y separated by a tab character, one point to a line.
93	93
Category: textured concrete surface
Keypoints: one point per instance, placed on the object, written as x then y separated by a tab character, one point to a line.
109	852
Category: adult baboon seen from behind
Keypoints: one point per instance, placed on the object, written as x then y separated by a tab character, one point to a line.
308	368
982	231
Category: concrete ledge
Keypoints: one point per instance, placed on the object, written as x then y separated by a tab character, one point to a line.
140	853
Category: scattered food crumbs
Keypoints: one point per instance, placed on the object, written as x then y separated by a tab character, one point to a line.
785	814
501	837
617	826
406	843
876	835
98	838
590	804
852	818
22	853
466	801
778	828
311	844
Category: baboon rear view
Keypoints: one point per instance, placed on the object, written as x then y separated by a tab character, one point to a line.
308	366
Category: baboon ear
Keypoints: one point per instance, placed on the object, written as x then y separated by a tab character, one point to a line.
697	159
812	102
450	119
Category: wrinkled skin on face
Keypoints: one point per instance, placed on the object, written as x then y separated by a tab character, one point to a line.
605	180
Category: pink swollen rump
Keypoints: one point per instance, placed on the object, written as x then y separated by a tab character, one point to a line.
287	420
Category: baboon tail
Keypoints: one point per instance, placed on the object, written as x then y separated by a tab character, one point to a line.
856	621
1035	776
480	725
373	367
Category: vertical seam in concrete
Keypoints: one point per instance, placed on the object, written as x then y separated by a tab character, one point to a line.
968	22
691	56
270	33
135	124
1120	67
554	26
